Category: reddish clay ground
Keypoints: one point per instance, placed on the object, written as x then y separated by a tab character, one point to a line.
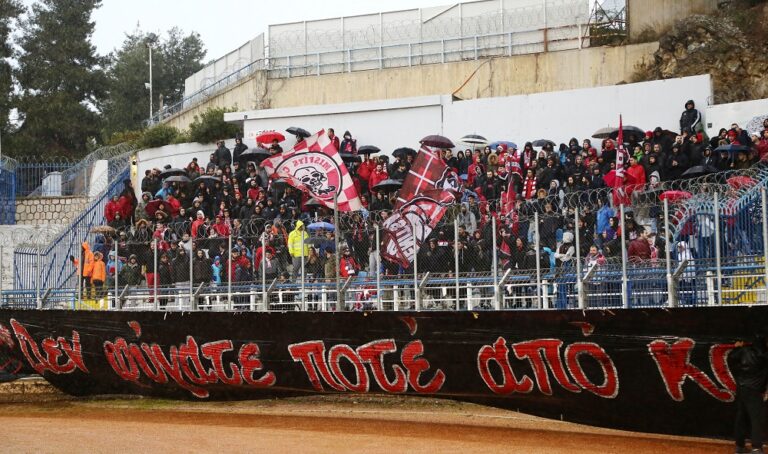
311	425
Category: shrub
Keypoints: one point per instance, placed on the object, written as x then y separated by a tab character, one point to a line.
157	136
210	126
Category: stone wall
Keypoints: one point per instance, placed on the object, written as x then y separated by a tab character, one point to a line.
49	210
658	16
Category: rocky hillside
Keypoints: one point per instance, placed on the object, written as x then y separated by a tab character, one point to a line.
731	46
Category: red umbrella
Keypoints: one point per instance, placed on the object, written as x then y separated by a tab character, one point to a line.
269	137
675	196
739	182
154	205
437	142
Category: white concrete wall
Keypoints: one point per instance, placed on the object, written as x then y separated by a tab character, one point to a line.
557	116
176	155
249	52
724	115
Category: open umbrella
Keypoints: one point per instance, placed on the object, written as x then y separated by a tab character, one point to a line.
731	148
628	131
298	132
153	205
675	196
437	141
368	150
315	240
740	181
269	137
543	143
183	179
207	178
103	229
172	172
604	133
388	185
278	183
474	139
255	154
321	225
403	152
697	171
755	125
313	202
509	144
350	157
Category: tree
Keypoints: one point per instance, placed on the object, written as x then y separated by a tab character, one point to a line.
210	126
9	10
61	78
174	58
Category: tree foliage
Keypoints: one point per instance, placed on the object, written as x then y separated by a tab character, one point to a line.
210	126
175	57
9	10
158	136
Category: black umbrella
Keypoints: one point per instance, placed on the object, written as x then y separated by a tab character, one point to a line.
604	133
279	182
368	149
697	171
256	154
388	185
178	179
298	132
207	178
350	157
314	240
171	172
628	130
314	203
732	148
437	141
543	143
474	139
403	152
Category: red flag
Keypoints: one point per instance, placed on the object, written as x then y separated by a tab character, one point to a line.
314	166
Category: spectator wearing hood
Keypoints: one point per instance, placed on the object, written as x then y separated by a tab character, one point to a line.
297	248
222	155
348	145
662	140
239	149
130	273
677	163
690	118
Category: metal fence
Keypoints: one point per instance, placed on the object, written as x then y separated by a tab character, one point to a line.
7	190
572	258
31	172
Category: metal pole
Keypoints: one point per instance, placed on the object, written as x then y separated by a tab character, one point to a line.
378	269
672	300
151	107
494	265
624	298
303	274
719	287
579	283
537	247
157	275
264	270
192	254
37	278
339	299
117	286
80	278
765	238
416	296
2	276
456	259
230	304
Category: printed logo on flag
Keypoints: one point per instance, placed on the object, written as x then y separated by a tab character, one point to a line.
317	171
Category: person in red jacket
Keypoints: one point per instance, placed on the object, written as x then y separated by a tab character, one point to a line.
334	139
348	266
639	248
112	207
379	174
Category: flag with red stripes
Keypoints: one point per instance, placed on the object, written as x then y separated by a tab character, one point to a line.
430	187
315	166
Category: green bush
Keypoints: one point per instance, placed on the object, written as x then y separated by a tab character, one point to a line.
210	126
157	136
124	136
183	137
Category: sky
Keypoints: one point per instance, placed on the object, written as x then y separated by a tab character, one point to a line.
224	25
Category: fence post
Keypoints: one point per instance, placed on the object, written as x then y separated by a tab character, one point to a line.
117	286
230	303
192	255
668	240
494	262
416	293
765	238
624	296
303	272
378	269
264	270
456	260
156	300
719	275
340	306
2	275
537	246
579	284
37	278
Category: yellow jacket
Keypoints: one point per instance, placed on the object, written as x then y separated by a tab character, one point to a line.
87	260
99	271
295	241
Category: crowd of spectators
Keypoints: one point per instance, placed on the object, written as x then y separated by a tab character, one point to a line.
232	197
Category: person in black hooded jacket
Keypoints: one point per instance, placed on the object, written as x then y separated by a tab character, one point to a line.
690	117
749	365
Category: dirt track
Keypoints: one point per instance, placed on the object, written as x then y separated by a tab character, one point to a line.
348	424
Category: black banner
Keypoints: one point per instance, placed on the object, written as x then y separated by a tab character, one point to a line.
654	370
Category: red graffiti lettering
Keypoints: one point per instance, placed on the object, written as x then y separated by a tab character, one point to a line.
609	389
55	351
311	354
215	352
674	364
499	353
718	357
338	352
373	353
415	365
543	354
251	363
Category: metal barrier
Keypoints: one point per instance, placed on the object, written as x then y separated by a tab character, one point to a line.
31	173
7	190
